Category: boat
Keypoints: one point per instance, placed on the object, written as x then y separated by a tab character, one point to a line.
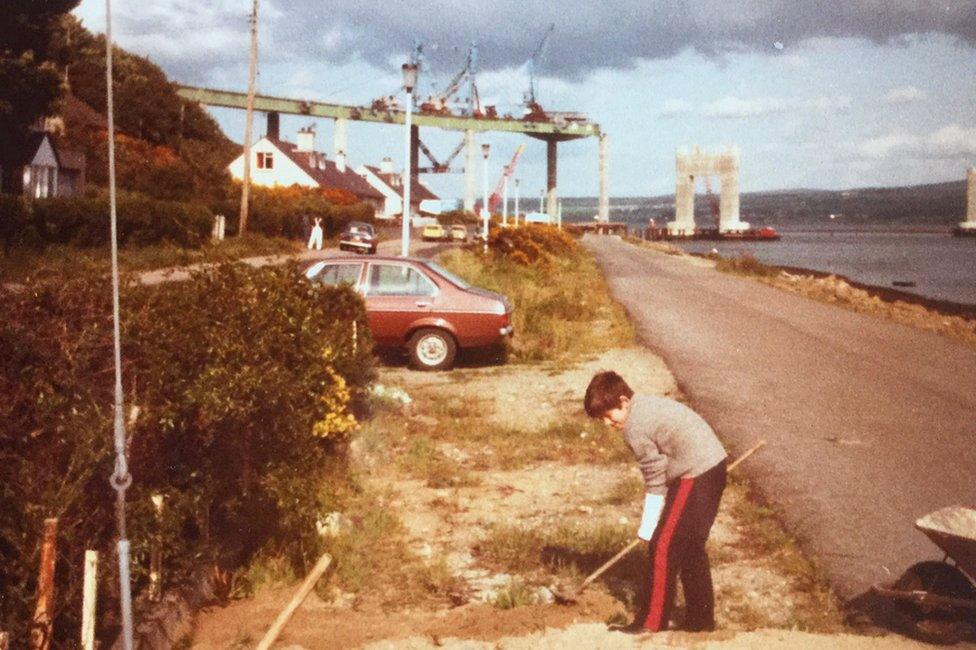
765	233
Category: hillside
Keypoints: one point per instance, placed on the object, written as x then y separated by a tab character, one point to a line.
165	147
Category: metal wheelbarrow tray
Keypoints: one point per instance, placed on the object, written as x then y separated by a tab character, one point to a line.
936	601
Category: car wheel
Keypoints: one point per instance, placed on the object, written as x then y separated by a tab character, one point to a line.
432	349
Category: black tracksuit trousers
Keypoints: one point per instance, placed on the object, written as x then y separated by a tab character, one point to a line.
678	548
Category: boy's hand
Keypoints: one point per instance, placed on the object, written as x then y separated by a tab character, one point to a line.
653	506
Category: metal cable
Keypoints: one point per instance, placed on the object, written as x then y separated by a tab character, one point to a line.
120	479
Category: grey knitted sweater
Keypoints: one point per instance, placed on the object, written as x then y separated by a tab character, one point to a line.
670	441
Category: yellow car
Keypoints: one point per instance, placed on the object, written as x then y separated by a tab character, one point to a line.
433	232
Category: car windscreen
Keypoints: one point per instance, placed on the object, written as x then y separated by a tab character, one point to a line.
450	277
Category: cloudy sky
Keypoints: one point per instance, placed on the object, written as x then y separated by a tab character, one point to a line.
826	94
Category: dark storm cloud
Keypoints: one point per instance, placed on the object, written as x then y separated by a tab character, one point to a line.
610	33
196	39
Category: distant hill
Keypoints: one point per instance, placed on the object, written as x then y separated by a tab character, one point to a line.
165	147
935	203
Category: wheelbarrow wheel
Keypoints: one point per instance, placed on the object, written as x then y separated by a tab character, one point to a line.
929	623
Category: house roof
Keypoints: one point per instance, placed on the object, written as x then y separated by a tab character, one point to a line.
66	159
325	172
418	191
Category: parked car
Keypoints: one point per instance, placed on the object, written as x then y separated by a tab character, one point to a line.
433	232
459	232
417	305
360	237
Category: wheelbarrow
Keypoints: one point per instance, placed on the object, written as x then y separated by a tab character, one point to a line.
934	601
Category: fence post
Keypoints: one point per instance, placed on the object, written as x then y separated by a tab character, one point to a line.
89	600
42	627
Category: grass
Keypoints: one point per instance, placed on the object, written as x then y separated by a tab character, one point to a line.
563	309
21	264
746	264
424	460
629	489
515	594
583	547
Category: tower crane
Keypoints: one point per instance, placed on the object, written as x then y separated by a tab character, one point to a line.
532	106
496	195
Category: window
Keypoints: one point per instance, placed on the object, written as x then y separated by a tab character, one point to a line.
338	274
265	160
397	280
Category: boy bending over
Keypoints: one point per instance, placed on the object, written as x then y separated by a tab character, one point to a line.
683	464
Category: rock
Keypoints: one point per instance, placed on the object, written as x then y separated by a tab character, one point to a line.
544	596
333	524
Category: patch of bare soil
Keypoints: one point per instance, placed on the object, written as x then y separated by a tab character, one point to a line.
452	526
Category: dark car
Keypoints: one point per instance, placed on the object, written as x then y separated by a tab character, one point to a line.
418	305
359	237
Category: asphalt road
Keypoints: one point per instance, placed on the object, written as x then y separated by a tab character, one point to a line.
869	424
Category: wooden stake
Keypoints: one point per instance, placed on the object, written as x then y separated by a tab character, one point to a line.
272	634
42	627
89	600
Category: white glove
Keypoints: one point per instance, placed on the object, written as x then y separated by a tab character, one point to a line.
653	506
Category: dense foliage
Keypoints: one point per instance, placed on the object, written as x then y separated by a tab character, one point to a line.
531	244
29	71
290	211
247	383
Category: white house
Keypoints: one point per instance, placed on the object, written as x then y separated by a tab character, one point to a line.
43	170
279	163
390	184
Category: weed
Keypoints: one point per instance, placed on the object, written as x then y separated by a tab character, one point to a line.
515	594
263	572
746	264
629	489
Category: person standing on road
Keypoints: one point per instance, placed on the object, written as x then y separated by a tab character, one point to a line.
683	464
315	239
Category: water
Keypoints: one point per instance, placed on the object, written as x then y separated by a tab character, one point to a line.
942	267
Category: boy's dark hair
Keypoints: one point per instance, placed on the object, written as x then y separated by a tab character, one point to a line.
604	393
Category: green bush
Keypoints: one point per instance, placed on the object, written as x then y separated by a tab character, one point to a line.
142	221
247	383
15	226
532	244
288	212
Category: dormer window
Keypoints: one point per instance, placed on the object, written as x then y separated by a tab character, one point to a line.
265	160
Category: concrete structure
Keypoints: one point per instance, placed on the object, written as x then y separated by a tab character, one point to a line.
691	165
969	225
551	129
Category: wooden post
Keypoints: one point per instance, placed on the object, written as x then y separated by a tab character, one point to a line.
300	595
88	601
41	629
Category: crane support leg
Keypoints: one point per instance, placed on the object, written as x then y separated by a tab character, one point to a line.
470	182
603	205
274	129
551	201
339	136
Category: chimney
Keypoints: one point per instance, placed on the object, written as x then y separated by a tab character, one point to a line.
340	161
274	129
306	139
386	165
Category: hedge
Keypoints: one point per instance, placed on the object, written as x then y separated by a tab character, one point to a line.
247	381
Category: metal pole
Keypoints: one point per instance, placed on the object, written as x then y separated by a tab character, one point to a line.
121	479
407	176
505	202
484	203
516	202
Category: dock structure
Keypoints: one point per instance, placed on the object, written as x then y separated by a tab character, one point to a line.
560	128
968	227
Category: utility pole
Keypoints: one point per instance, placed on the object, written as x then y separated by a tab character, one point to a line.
249	119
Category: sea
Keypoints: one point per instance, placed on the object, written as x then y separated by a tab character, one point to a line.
921	258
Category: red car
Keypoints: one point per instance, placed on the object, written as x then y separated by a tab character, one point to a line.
418	305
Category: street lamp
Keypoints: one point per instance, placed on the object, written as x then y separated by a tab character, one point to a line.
409	82
516	201
485	148
505	201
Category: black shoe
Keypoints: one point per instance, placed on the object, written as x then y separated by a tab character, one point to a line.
708	627
633	628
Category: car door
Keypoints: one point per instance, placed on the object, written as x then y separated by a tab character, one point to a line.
397	294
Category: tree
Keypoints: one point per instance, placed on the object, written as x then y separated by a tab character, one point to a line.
30	82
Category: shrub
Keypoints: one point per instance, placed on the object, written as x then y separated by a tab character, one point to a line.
531	244
289	211
246	380
84	221
15	226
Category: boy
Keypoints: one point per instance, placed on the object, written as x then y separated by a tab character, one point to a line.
683	464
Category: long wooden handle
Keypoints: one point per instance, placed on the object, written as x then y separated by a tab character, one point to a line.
630	547
272	634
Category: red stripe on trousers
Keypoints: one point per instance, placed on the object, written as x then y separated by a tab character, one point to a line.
659	588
